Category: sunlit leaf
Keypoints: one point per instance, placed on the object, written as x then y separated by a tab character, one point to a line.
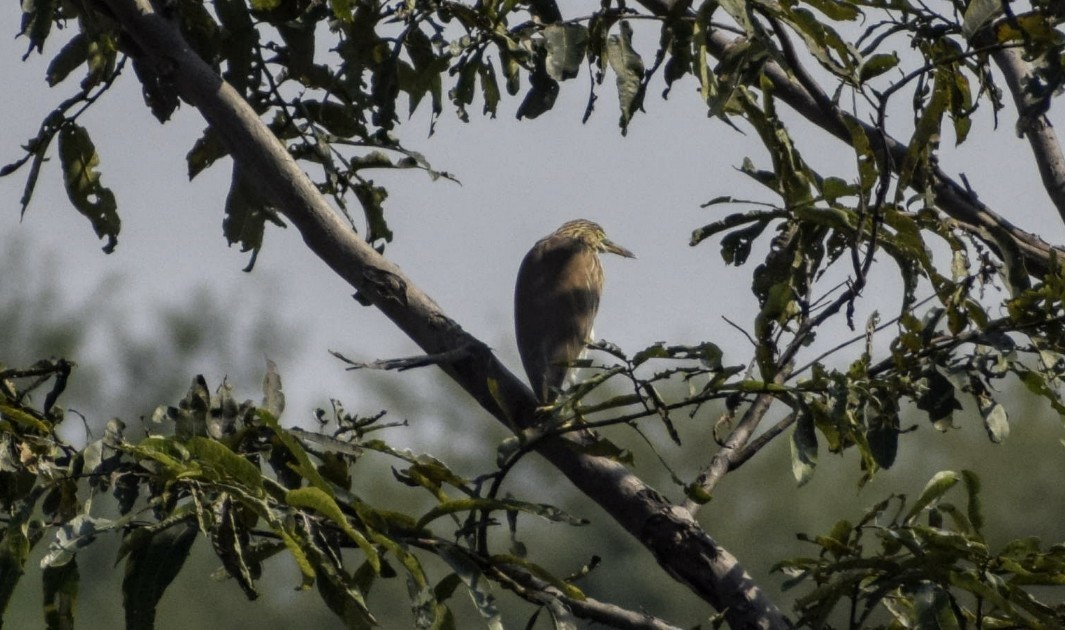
325	505
939	485
217	458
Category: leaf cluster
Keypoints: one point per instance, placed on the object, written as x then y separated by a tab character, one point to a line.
927	565
225	472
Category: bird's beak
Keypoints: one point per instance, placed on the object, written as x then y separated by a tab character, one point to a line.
613	248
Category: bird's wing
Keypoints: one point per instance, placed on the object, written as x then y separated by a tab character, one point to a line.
555	302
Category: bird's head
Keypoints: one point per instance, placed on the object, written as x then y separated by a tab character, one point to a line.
592	235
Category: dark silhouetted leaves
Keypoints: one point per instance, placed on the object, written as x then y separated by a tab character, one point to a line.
74	53
60	594
540	98
159	94
154	560
79	160
628	69
247	212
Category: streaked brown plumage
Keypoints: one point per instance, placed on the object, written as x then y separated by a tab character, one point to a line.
556	299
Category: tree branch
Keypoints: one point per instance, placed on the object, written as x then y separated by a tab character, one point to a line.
955	200
1033	124
726	457
680	546
533	589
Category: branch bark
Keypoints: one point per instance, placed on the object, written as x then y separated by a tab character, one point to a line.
1033	124
677	542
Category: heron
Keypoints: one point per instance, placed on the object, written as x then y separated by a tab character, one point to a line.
556	298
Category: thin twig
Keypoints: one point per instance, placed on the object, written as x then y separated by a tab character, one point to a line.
407	363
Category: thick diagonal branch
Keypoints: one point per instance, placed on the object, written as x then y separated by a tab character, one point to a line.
681	547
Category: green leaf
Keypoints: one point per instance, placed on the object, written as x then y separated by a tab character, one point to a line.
938	398
540	98
476	583
23	419
273	397
836	10
190	418
926	135
996	421
37	18
79	160
933	491
325	505
736	245
883	440
628	68
603	447
979	14
225	465
303	465
230	539
337	118
1037	384
566	45
238	44
74	53
60	595
342	596
155	558
14	552
696	492
803	448
342	9
425	77
207	149
372	199
732	221
38	147
677	38
73	536
877	65
246	214
160	94
489	87
972	488
102	53
934	608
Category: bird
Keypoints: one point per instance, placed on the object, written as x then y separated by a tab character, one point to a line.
556	298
